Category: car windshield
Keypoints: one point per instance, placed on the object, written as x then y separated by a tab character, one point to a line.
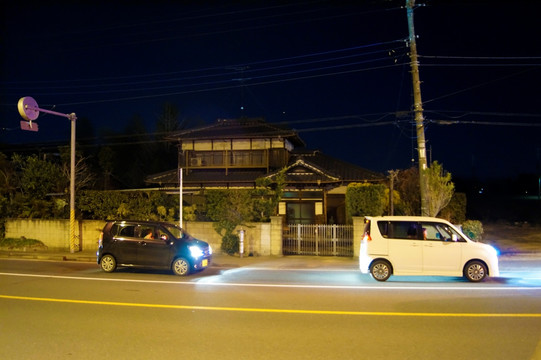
175	231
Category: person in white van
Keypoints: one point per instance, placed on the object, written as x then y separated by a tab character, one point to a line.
415	245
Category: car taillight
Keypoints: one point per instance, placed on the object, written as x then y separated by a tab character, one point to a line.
367	237
100	239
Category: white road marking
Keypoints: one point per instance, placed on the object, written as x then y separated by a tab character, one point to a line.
214	281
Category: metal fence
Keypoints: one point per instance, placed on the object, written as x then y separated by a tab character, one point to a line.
321	240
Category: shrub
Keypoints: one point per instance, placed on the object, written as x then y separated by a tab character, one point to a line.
230	244
19	242
473	229
365	199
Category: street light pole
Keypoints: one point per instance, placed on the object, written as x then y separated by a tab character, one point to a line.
72	118
29	110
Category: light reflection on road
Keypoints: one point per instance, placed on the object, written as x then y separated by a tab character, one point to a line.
248	276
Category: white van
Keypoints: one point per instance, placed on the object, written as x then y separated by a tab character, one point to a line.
415	245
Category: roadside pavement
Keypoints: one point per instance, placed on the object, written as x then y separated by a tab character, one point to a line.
218	260
228	261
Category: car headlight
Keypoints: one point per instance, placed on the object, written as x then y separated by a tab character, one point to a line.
195	251
210	250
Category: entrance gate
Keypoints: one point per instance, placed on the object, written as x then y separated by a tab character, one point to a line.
321	240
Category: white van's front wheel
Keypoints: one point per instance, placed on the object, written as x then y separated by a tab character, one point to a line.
380	270
475	271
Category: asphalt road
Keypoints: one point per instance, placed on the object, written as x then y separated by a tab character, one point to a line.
71	310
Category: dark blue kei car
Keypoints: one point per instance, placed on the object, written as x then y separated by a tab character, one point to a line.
157	245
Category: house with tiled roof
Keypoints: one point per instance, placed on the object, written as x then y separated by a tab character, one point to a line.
234	153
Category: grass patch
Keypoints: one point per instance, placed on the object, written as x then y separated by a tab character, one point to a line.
20	242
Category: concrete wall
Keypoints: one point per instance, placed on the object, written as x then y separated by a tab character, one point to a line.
260	239
358	232
55	233
256	236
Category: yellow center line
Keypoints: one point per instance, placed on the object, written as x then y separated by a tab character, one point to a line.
282	311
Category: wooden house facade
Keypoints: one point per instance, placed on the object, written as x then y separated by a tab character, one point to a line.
233	153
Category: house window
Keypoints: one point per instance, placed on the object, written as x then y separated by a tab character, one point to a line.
301	213
206	158
240	158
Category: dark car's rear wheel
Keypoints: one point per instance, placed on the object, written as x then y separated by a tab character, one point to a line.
181	267
108	263
475	271
380	270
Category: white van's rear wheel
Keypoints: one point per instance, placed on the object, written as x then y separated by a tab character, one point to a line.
380	270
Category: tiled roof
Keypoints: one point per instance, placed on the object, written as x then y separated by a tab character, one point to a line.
243	128
202	178
305	167
333	167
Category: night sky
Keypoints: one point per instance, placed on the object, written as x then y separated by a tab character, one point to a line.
337	72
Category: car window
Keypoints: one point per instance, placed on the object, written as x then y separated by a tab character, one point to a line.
454	235
146	232
400	229
115	229
434	232
126	230
175	231
440	232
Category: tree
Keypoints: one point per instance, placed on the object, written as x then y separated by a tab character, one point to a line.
366	199
455	211
229	209
84	177
37	177
106	161
440	189
7	186
37	180
265	198
163	152
133	155
410	195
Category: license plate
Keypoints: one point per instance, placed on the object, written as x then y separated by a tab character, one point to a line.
204	263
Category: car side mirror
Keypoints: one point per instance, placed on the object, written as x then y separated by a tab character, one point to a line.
164	237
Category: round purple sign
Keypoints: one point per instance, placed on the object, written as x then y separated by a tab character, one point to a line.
28	108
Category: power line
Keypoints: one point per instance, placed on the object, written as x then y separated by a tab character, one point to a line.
490	123
225	70
463	113
483	57
224	87
476	86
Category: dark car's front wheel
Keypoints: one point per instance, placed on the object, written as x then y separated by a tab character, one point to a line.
181	267
108	263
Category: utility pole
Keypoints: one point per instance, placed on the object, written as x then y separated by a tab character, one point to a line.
180	214
393	174
418	109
